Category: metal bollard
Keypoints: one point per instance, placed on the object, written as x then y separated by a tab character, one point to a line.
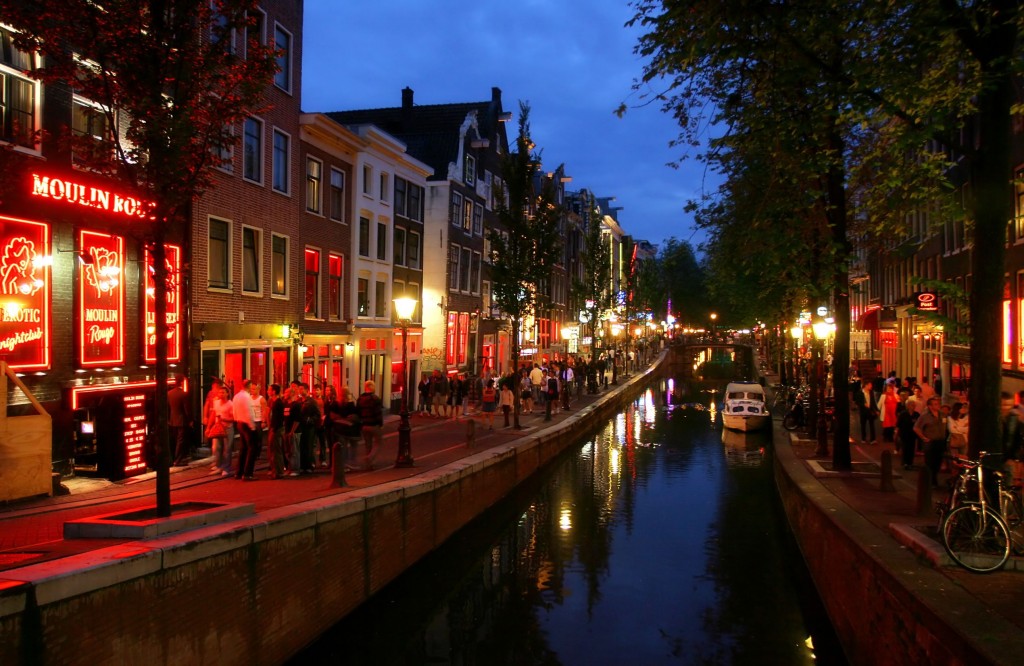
886	461
338	466
924	492
470	433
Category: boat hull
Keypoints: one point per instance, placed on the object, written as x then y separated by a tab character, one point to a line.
746	423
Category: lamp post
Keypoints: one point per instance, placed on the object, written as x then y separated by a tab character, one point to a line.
821	333
714	334
616	330
405	307
797	333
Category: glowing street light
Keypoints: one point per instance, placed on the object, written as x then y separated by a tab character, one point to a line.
404	308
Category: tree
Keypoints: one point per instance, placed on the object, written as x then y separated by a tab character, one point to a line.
844	74
592	291
171	85
525	245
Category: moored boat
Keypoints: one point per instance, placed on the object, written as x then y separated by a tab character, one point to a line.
744	407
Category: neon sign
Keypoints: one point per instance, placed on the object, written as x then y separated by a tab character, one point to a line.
25	293
172	261
100	299
79	194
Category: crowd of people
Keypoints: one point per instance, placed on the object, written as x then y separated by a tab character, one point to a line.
301	425
914	418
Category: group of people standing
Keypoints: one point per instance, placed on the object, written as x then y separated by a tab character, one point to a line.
299	426
913	418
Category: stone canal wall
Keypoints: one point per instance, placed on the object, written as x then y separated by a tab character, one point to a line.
256	590
887	606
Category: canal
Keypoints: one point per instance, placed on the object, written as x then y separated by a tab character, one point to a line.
659	539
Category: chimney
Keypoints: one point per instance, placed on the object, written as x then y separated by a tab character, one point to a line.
406	108
496	96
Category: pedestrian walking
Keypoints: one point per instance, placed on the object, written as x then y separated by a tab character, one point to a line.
371	418
245	423
275	432
931	429
507	399
489	403
179	419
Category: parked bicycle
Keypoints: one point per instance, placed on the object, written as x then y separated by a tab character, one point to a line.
796	417
979	534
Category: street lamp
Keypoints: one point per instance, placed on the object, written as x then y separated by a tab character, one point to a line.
404	307
821	332
616	330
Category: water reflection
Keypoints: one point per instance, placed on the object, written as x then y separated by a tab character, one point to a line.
645	545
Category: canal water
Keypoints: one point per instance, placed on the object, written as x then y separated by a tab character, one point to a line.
658	540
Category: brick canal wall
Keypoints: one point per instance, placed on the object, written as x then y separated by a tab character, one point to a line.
257	590
887	606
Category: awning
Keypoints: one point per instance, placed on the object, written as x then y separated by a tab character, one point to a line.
868	321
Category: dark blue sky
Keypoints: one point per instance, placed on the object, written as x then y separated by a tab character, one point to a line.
572	61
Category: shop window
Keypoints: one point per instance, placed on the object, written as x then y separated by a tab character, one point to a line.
450	338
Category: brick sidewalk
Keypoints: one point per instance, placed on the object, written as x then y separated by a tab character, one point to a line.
31	531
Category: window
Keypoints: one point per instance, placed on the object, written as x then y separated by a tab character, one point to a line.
18	95
474	274
469	177
314	176
252	150
385	187
399	246
220	32
363	296
283	42
364	237
251	260
312	307
367	179
382	241
467	215
220	254
224	154
464	266
89	127
380	298
280	163
255	32
453	267
478	219
337	195
414	204
335	263
412	253
1018	190
279	265
412	290
400	186
456	212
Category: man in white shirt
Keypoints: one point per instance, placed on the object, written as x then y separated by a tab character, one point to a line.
245	424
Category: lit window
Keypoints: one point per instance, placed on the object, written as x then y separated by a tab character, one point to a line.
314	171
312	302
334	291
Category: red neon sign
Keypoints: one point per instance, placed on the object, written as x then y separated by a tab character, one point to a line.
172	262
100	299
71	192
25	292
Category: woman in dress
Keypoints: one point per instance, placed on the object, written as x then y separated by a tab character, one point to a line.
887	410
958	425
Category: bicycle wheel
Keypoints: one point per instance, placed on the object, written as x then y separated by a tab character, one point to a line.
977	540
1014	521
790	421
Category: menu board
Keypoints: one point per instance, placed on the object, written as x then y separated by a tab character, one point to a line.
134	433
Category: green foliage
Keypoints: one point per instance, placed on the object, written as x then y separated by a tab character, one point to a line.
596	268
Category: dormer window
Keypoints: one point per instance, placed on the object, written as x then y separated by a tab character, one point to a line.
469	177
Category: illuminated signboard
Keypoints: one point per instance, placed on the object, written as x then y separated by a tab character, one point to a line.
134	433
67	191
927	301
100	299
25	266
173	264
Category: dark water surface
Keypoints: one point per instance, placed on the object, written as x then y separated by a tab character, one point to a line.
658	540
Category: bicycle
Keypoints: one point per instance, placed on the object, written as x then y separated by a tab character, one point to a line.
974	534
